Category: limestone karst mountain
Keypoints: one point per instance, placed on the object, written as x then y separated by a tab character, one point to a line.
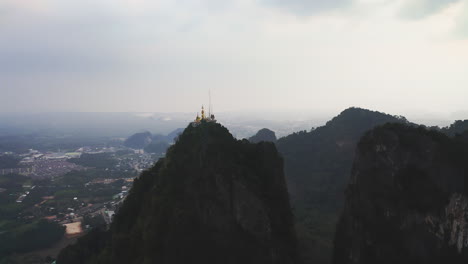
407	199
212	199
317	168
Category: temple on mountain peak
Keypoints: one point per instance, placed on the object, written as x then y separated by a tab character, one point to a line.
204	118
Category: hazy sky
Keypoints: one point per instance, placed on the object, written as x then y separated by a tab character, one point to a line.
395	56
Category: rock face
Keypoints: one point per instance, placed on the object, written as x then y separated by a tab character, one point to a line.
317	167
213	199
263	135
407	199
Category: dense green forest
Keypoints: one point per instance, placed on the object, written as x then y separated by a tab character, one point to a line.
18	234
9	209
213	199
8	161
27	237
317	167
157	147
406	202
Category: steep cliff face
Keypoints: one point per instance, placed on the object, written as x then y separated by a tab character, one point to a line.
213	199
407	199
317	166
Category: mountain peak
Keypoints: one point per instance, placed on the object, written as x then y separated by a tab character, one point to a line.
264	134
139	140
364	116
213	199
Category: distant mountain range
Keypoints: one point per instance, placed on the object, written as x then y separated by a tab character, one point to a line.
98	125
139	140
152	143
317	167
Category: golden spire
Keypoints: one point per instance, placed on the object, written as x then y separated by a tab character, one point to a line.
202	113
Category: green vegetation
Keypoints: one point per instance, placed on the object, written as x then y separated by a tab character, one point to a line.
99	161
213	199
456	128
20	229
13	185
139	140
317	167
30	236
13	182
22	143
407	181
8	161
157	147
94	221
18	233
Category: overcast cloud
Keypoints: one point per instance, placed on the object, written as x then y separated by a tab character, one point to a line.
120	55
417	9
308	7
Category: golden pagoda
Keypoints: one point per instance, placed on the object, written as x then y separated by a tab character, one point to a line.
204	117
203	113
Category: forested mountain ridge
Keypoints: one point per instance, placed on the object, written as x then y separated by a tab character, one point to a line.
312	156
407	199
213	199
139	140
317	168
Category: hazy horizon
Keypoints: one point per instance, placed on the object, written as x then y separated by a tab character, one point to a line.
407	57
242	124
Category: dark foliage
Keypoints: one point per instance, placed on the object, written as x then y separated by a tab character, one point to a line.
403	203
213	199
157	147
456	128
172	136
8	161
317	168
29	237
87	249
100	160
